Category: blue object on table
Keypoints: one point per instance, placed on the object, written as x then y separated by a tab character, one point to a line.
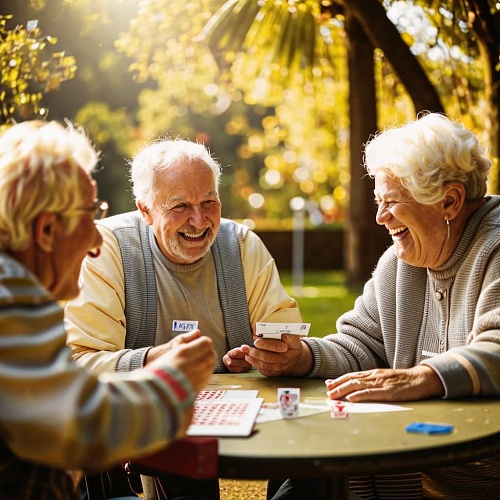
429	428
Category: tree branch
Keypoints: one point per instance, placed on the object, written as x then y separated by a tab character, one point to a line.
383	34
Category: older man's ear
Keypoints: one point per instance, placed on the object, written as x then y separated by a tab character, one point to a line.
144	210
44	231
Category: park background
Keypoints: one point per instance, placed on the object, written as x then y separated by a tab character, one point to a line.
283	92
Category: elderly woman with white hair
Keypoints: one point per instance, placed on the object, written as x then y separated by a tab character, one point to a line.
428	322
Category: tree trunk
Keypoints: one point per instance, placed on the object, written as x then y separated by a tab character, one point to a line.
365	240
486	27
383	34
492	91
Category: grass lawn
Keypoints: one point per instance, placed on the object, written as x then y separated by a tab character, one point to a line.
322	299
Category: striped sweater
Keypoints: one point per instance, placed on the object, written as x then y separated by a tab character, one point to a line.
54	414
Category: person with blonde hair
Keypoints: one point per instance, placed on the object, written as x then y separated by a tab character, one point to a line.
54	414
428	322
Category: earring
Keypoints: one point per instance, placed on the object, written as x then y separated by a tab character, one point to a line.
448	229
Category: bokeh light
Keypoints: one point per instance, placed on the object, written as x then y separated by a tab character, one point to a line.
297	203
256	200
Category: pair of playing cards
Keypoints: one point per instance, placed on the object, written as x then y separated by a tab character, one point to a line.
276	330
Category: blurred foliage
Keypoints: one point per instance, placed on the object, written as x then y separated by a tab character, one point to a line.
263	83
439	35
29	69
284	146
93	14
287	62
102	96
116	137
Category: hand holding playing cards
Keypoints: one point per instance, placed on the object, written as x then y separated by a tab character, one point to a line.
192	355
419	382
272	357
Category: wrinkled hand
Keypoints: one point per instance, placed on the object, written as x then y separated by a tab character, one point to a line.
158	350
235	360
272	357
419	382
192	355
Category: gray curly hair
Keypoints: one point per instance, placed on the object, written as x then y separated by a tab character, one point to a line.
428	153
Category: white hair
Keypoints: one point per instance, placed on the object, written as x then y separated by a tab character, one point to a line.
160	155
39	172
427	153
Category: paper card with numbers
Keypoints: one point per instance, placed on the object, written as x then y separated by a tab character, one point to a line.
226	394
224	417
275	330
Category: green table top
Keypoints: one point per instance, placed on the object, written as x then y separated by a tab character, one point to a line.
363	443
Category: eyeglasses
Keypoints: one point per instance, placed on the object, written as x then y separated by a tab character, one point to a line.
99	209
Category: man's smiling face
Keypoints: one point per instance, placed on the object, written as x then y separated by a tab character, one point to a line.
186	213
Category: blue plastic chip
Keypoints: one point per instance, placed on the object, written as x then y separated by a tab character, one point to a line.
429	428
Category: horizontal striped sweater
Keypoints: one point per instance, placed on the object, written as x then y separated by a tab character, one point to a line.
56	413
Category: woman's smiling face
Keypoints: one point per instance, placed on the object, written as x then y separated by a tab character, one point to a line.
418	230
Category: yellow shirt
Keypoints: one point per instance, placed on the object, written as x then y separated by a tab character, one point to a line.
96	322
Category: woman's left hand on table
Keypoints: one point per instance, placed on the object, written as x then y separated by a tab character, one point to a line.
386	384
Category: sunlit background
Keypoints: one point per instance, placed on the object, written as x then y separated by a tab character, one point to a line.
264	84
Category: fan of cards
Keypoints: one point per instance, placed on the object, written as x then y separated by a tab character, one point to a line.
276	330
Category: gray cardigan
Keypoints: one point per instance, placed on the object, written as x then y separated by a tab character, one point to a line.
394	324
141	304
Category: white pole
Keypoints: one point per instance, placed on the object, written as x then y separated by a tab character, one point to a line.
298	207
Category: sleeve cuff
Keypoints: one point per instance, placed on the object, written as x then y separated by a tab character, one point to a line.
132	360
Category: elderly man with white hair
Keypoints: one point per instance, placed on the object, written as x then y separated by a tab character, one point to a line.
171	264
